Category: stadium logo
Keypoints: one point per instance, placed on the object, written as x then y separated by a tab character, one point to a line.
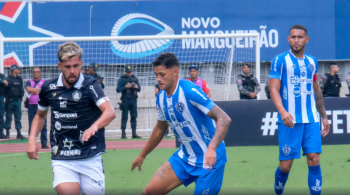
141	48
180	107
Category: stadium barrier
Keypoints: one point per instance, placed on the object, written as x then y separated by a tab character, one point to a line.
255	122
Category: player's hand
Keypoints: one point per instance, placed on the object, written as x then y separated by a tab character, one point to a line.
137	163
252	95
89	132
136	86
32	149
326	127
287	119
37	91
129	85
210	159
6	83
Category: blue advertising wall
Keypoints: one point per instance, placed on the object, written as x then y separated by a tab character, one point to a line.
327	21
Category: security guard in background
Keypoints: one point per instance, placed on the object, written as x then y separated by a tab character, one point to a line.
267	89
14	95
348	83
330	83
248	86
128	85
92	71
3	85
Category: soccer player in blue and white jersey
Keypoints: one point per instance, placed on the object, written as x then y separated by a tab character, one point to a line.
299	101
196	122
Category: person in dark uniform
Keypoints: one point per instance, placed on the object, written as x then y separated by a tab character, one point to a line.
128	85
267	89
348	83
330	83
92	71
13	104
3	85
248	86
79	112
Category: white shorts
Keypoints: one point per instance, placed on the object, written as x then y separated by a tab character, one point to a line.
88	173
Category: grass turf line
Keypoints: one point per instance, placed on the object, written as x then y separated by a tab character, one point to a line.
249	170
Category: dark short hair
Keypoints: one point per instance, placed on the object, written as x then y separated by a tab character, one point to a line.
168	60
299	27
332	64
245	64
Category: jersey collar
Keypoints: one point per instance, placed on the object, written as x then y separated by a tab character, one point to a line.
76	85
290	51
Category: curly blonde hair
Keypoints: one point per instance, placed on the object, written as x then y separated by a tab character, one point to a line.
68	50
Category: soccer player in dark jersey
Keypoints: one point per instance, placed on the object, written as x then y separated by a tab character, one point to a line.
79	112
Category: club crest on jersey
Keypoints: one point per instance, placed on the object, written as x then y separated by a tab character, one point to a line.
180	107
312	67
76	95
286	150
54	150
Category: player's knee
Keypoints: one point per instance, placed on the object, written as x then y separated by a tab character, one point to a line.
313	160
146	191
285	168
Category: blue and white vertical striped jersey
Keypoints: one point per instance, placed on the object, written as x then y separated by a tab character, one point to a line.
297	92
186	113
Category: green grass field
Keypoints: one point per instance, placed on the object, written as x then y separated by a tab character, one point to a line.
249	170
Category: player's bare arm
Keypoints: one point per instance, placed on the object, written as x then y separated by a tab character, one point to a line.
275	86
156	136
321	109
37	126
108	114
222	124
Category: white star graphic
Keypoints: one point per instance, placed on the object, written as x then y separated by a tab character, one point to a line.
69	145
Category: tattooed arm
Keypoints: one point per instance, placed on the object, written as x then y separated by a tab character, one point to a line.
321	109
222	124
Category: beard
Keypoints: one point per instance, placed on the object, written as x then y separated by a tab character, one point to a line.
297	50
67	79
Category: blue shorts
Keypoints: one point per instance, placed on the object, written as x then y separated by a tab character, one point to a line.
305	135
207	182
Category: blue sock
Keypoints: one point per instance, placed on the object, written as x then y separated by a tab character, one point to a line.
315	180
280	181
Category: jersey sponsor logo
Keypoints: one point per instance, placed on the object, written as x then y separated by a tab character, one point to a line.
297	92
195	90
173	117
285	93
286	150
185	139
53	86
59	126
65	115
311	67
93	147
295	80
179	124
293	66
70	152
180	107
302	67
76	95
81	137
275	66
54	150
53	94
303	74
93	90
206	133
170	109
63	104
68	144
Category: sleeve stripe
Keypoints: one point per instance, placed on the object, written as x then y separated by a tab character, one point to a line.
200	107
42	108
101	101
